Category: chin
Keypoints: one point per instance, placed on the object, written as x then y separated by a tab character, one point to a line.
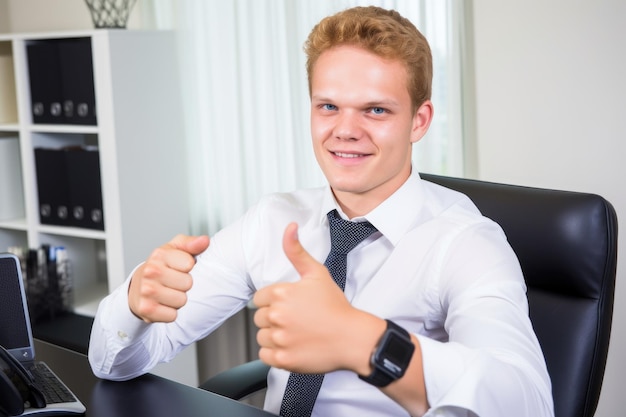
347	187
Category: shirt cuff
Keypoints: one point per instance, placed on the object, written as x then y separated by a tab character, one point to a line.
443	365
123	327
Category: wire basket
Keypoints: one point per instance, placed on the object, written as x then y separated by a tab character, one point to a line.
110	13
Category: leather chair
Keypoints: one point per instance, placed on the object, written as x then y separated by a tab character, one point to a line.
567	246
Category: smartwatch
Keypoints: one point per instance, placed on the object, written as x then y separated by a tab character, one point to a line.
391	356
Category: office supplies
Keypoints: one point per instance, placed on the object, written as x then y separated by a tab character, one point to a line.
61	81
84	186
52	186
69	186
32	379
44	72
79	99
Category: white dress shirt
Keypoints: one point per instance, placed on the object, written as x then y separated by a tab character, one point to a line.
436	267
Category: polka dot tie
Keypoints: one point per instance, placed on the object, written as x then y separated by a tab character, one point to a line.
345	235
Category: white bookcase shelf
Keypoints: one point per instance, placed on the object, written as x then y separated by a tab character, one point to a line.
139	137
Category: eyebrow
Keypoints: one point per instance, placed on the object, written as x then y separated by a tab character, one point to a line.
382	103
373	103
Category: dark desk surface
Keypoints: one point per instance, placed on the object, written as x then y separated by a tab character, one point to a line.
148	395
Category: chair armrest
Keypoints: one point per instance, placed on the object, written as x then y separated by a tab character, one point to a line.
240	381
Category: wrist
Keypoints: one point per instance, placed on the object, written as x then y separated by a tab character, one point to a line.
391	357
364	332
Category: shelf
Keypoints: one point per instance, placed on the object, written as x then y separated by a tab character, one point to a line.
72	231
9	128
22	225
138	131
48	128
14	224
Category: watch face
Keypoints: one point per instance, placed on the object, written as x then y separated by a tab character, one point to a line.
394	354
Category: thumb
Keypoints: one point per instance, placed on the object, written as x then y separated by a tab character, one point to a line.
193	245
304	263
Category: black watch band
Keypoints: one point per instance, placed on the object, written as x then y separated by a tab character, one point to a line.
391	356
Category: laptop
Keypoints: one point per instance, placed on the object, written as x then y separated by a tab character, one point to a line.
17	339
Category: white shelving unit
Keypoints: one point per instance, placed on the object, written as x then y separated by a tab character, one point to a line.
139	136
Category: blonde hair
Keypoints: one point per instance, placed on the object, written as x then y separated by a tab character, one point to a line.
382	32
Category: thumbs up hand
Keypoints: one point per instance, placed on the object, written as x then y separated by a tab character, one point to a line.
309	326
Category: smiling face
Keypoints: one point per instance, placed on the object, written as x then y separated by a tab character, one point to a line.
363	125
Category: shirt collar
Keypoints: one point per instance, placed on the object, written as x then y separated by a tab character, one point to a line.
394	217
329	203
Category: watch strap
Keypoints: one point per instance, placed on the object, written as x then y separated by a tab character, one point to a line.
378	378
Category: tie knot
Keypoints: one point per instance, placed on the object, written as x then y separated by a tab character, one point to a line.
345	235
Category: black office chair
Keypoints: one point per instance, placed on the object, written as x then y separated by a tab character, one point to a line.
567	246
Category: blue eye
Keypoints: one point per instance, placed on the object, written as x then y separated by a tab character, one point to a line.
330	107
378	110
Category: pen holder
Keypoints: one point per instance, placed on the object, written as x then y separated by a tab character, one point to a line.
48	283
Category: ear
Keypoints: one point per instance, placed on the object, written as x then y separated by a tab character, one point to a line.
421	120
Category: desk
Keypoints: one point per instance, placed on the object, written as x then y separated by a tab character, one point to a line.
149	395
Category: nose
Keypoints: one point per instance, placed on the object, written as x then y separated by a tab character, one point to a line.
348	126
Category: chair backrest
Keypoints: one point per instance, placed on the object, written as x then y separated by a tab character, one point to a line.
567	246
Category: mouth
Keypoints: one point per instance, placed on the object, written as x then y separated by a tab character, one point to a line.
348	155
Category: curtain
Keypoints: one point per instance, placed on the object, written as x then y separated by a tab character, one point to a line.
246	106
246	100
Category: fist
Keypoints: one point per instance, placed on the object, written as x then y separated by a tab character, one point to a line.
158	288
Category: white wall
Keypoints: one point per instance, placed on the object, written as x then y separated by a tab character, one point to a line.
4	18
45	15
551	104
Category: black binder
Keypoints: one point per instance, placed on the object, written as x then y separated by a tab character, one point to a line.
85	189
44	72
69	187
79	99
61	81
52	187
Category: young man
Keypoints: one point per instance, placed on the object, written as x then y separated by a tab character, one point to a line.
435	291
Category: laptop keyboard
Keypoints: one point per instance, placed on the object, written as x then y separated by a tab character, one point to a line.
52	388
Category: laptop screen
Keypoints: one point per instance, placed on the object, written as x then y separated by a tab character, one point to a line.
15	331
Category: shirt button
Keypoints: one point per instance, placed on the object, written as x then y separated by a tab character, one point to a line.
122	334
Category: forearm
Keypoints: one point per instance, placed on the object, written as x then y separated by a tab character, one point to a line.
484	381
408	391
122	346
457	378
